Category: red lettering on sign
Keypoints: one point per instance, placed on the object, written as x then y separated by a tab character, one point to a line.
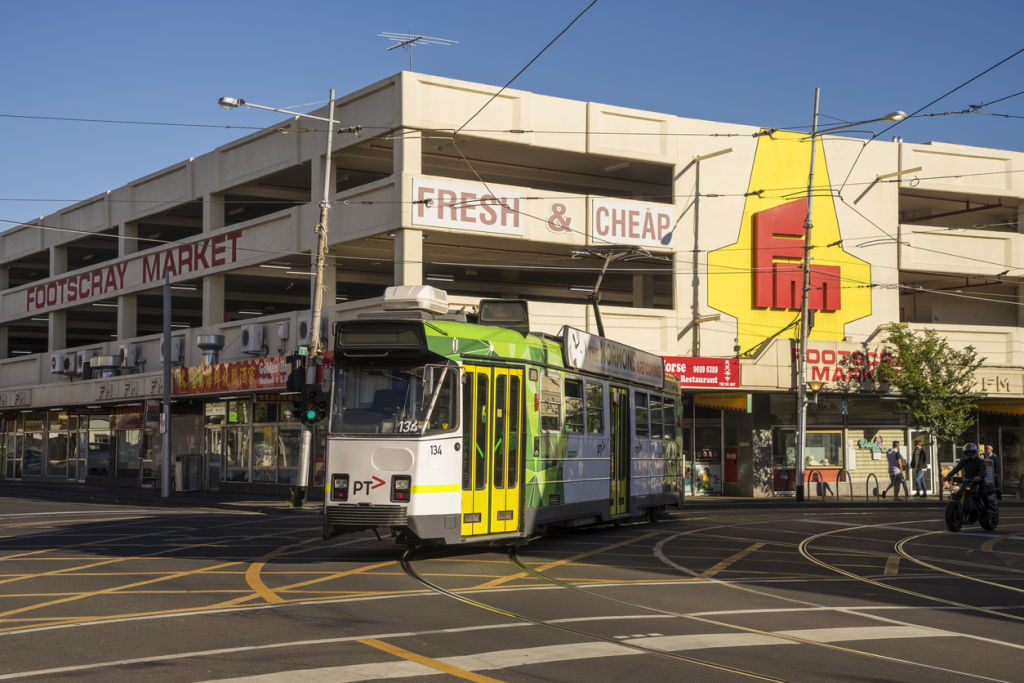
779	234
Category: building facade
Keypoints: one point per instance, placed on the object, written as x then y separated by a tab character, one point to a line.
692	232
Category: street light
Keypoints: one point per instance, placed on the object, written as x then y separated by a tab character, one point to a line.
318	257
801	417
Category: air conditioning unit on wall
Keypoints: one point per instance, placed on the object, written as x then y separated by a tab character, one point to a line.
129	355
81	359
61	363
252	338
303	337
177	351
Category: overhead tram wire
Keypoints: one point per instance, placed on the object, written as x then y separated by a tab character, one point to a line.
920	109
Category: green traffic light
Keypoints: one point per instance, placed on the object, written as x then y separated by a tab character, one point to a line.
310	414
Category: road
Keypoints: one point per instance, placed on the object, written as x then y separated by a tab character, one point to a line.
103	592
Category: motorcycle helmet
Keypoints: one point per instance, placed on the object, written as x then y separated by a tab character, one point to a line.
970	450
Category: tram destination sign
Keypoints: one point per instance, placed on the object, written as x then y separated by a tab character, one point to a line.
588	352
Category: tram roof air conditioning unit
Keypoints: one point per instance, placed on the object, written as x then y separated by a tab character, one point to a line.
416	298
304	329
177	351
60	364
252	338
129	355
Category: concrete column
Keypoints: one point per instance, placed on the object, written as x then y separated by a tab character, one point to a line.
58	260
5	279
643	291
58	331
213	300
127	316
127	244
408	152
408	257
213	212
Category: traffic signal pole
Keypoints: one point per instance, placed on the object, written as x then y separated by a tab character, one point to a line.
314	360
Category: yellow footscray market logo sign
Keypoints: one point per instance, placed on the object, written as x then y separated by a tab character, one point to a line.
759	278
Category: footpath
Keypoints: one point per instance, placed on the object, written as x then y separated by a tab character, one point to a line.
114	495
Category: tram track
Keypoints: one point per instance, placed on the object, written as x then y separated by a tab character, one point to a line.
805	551
406	564
409	557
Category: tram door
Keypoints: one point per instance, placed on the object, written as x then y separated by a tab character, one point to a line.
619	419
492	453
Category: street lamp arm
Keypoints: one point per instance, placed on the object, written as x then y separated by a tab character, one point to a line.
890	117
235	102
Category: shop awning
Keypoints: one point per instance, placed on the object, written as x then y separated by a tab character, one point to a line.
728	400
1005	407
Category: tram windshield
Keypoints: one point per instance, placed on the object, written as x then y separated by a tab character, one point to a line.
397	400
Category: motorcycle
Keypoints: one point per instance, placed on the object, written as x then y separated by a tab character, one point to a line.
967	504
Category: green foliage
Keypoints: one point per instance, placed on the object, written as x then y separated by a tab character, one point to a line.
935	381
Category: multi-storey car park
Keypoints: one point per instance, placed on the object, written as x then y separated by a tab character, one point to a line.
693	230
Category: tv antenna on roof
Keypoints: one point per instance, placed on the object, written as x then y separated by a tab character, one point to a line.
410	40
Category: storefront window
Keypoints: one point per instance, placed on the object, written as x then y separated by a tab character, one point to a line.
239	412
287	454
32	456
128	446
236	454
824	449
99	447
264	455
57	454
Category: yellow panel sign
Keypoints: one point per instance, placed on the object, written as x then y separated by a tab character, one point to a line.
759	278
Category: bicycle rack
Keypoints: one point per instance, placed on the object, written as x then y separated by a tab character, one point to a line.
867	487
841	476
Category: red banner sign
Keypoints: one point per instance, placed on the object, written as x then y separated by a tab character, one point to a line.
260	374
704	372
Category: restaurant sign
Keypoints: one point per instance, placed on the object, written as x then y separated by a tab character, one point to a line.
704	372
260	374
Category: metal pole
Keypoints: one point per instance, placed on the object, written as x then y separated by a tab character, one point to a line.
801	389
695	279
319	256
165	468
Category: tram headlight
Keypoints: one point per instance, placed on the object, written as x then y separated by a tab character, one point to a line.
401	487
339	487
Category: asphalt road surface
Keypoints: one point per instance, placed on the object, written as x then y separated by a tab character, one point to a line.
109	592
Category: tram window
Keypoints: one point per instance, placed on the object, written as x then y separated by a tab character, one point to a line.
640	414
480	449
670	418
574	406
550	403
513	431
595	408
499	442
656	413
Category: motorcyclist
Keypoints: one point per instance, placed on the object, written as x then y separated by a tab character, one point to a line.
974	470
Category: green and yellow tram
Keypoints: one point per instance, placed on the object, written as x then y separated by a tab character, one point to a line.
451	432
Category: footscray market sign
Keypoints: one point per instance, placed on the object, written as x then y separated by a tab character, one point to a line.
194	259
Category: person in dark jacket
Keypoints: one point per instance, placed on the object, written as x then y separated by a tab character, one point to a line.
919	463
973	468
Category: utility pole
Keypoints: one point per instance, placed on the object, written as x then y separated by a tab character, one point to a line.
319	257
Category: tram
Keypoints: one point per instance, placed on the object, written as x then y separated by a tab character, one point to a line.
448	431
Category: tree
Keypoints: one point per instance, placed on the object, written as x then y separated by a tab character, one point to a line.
935	381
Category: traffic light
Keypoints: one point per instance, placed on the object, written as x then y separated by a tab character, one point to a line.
313	405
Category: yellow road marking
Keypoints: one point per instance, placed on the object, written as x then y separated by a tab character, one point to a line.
427	661
727	562
892	566
551	565
990	543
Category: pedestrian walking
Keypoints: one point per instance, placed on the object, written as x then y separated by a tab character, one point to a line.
895	462
997	471
919	463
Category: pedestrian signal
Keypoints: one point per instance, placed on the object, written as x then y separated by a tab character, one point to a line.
313	406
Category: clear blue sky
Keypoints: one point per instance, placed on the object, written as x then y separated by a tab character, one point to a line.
735	61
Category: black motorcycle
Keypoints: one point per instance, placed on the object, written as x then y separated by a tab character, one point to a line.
967	504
